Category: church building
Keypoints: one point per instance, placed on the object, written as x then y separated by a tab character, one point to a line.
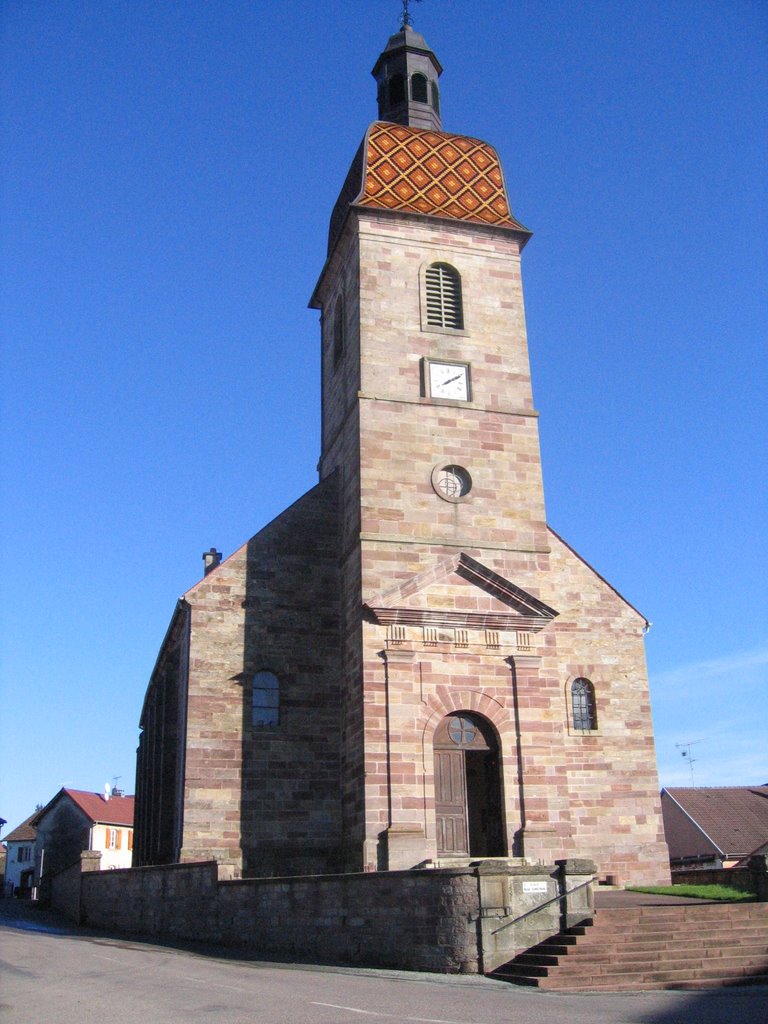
408	667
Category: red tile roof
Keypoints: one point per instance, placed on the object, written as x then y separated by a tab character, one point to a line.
735	818
23	833
118	810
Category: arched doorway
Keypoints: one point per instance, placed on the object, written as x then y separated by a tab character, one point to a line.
467	788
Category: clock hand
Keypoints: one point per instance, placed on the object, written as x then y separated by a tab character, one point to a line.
452	379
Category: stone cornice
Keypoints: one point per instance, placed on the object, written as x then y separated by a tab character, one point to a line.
442	402
444	542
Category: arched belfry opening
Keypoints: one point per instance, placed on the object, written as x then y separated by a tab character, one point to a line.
468	804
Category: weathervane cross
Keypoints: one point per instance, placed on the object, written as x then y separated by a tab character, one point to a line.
407	20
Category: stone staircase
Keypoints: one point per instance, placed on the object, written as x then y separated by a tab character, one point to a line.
627	949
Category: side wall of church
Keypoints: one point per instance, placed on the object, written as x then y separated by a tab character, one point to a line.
341	455
160	755
265	798
614	806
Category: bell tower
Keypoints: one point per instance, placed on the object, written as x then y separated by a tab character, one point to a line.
427	404
464	619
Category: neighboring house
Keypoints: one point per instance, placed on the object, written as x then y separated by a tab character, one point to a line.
74	821
714	826
20	859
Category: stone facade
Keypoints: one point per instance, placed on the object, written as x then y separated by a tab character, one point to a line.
395	615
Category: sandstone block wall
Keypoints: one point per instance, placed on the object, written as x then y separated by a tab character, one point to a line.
452	921
265	799
261	799
566	793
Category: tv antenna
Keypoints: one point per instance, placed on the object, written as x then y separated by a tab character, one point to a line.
685	750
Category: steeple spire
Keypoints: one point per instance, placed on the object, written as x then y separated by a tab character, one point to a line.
407	20
407	72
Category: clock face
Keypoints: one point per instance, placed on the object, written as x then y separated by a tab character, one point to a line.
449	380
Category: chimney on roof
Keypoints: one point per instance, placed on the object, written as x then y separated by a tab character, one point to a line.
211	559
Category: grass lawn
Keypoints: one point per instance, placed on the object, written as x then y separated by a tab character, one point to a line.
701	892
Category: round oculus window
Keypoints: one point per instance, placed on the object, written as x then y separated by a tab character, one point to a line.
453	483
462	731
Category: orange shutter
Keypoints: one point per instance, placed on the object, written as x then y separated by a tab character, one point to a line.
130	838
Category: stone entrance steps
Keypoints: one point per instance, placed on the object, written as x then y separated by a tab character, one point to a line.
704	945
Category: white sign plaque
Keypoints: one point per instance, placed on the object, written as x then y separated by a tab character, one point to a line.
534	886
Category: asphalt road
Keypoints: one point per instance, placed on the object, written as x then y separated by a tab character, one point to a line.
57	975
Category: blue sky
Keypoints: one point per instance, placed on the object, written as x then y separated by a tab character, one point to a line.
168	171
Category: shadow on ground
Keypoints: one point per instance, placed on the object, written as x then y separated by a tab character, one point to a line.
743	1004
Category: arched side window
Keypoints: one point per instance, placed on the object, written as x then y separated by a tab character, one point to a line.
338	332
266	699
396	90
435	98
583	705
444	305
419	88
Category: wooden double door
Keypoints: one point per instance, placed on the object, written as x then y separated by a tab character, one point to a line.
468	788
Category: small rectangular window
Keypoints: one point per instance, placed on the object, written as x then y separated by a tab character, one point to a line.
266	699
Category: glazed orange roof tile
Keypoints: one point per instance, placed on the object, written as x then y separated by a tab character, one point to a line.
418	170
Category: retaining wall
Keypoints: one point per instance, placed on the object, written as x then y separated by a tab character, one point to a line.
452	920
752	877
737	878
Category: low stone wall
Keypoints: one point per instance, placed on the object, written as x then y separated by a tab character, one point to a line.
751	878
422	920
737	878
451	920
64	892
64	889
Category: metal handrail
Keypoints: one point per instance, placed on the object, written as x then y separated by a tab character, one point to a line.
541	906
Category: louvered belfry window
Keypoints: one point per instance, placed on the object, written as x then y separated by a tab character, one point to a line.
444	308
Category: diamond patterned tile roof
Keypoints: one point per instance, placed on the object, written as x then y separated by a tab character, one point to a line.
418	170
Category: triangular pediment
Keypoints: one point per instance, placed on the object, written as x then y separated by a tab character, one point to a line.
460	592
